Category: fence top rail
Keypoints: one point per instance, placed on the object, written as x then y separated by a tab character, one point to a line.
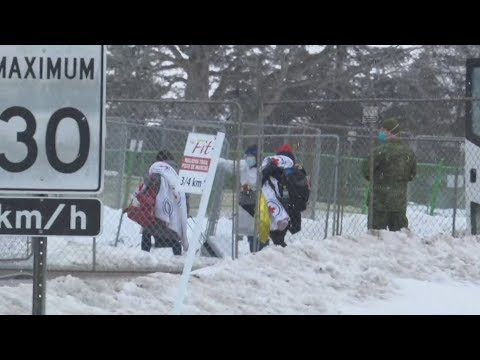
197	123
256	136
453	99
342	127
236	104
419	137
296	126
160	101
439	138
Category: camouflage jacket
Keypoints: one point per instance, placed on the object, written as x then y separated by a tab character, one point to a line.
394	166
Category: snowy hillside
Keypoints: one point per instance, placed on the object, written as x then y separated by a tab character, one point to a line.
339	275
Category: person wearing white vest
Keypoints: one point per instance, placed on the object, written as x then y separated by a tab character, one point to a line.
170	208
248	194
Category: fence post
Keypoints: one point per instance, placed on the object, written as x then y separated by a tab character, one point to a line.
455	194
316	174
346	167
366	201
437	186
260	132
215	202
371	177
335	185
129	156
128	181
236	185
122	160
370	117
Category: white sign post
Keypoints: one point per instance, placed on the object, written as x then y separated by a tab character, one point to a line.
196	176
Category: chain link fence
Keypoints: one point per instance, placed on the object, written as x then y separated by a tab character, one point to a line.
136	131
436	197
332	155
315	151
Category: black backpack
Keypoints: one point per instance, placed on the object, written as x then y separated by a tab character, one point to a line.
294	180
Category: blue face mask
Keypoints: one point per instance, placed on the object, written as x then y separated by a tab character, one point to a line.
383	136
251	161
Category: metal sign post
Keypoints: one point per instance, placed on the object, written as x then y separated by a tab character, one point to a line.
370	117
39	245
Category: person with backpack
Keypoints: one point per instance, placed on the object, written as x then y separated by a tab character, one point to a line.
286	189
160	209
248	194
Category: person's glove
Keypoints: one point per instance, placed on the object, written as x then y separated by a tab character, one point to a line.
270	170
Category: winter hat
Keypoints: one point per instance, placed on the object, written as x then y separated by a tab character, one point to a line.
391	125
251	150
285	148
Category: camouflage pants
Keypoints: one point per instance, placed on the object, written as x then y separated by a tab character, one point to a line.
394	220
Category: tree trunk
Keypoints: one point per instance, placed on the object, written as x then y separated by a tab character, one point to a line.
198	84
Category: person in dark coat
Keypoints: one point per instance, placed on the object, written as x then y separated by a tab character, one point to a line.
394	166
283	217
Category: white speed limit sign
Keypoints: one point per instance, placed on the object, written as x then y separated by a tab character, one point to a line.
52	101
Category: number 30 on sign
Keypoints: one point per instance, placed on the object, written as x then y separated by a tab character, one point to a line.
52	118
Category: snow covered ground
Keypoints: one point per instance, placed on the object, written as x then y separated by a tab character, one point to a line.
423	271
351	274
416	297
70	253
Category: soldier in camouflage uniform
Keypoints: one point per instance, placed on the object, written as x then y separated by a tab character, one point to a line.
395	165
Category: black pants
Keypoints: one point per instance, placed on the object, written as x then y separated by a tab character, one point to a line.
160	242
251	243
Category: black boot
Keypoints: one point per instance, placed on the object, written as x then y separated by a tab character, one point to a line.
146	243
278	237
176	247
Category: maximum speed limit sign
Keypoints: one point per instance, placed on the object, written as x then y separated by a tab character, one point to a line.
52	127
